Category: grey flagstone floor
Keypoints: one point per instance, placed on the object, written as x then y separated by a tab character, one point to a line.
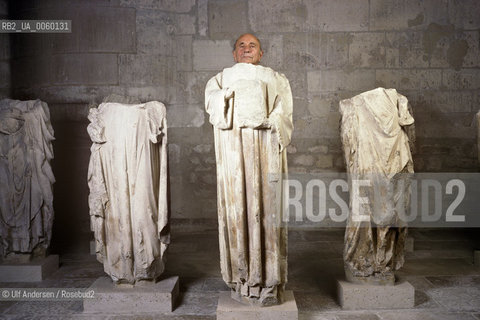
447	284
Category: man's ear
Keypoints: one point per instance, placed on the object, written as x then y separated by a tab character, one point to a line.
234	56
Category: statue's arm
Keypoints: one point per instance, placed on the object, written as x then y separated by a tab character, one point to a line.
280	118
410	130
218	103
406	120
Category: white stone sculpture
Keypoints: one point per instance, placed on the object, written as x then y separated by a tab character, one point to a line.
250	108
128	200
375	130
26	195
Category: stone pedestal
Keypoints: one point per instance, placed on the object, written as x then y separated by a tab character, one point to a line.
230	309
148	298
353	296
476	258
34	270
409	244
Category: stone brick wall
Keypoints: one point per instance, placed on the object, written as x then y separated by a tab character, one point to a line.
4	54
166	50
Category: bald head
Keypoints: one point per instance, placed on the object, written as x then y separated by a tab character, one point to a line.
247	34
247	49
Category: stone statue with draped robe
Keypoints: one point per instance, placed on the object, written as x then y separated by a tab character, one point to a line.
376	132
250	108
128	200
26	196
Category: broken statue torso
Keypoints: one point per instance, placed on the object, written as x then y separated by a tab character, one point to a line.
127	177
374	129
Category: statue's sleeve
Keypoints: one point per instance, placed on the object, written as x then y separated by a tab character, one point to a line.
281	116
404	116
157	122
218	104
406	120
98	198
348	133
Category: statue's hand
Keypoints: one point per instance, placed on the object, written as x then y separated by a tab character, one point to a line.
265	125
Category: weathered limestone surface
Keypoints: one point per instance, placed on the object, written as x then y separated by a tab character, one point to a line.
228	309
478	135
186	116
367	50
352	296
5	72
109	298
277	16
142	70
395	15
202	17
164	5
34	270
227	19
3	8
374	129
250	108
128	189
26	196
110	31
354	15
332	80
166	50
463	14
211	55
410	79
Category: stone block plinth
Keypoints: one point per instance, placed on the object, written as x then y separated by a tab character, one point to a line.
110	298
230	309
34	270
352	296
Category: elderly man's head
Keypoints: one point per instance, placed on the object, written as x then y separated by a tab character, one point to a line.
247	49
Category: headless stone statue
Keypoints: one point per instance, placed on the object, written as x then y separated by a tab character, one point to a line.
26	195
128	198
375	131
250	108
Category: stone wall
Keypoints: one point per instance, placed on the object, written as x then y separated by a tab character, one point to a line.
4	54
166	50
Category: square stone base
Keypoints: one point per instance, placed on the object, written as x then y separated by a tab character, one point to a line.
229	309
353	296
34	270
150	298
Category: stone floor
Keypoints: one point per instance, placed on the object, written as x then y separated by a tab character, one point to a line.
447	283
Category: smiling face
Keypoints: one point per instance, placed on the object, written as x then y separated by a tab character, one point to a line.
247	49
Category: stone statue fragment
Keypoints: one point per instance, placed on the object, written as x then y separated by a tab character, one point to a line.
250	108
26	195
128	200
375	130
